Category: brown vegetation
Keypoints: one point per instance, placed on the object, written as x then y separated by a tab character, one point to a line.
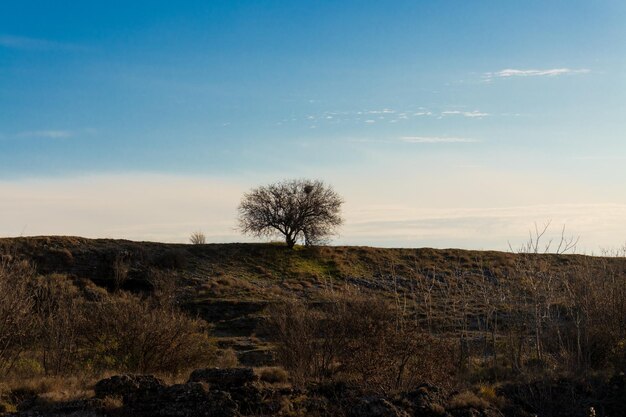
507	328
360	339
54	325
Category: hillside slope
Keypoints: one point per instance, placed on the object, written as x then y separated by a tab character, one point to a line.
484	333
231	284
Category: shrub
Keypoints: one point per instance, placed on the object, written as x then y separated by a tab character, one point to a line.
120	270
468	399
197	238
58	314
359	339
134	335
16	304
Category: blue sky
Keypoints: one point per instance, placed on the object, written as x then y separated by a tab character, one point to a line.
443	123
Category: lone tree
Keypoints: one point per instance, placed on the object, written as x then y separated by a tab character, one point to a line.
297	209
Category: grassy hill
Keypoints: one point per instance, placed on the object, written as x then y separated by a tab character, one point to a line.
230	284
512	328
271	271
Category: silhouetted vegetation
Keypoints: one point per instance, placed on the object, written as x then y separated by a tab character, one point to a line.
197	238
294	209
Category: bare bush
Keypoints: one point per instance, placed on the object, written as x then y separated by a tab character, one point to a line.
121	267
16	304
197	238
51	320
133	335
576	316
58	314
594	333
359	339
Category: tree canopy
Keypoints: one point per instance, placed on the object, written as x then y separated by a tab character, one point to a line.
307	210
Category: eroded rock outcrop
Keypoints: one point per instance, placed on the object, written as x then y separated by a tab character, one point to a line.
145	395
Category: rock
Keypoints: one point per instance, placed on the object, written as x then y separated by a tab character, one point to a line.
426	400
473	412
149	396
76	408
467	412
130	387
256	357
239	383
376	407
191	391
195	399
317	406
224	379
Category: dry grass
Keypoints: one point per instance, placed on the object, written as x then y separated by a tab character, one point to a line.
227	358
272	374
489	393
468	399
47	390
110	404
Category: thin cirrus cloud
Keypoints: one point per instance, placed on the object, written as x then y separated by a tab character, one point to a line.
436	139
48	134
370	117
35	44
552	72
470	114
417	139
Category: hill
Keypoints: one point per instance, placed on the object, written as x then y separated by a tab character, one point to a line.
484	330
229	285
269	272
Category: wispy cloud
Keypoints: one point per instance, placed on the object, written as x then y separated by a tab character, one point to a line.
26	43
50	134
378	116
55	133
552	72
470	114
416	139
436	139
383	111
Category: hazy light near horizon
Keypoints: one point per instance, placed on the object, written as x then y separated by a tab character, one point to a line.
169	208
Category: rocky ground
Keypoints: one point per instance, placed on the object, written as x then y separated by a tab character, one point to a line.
238	392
